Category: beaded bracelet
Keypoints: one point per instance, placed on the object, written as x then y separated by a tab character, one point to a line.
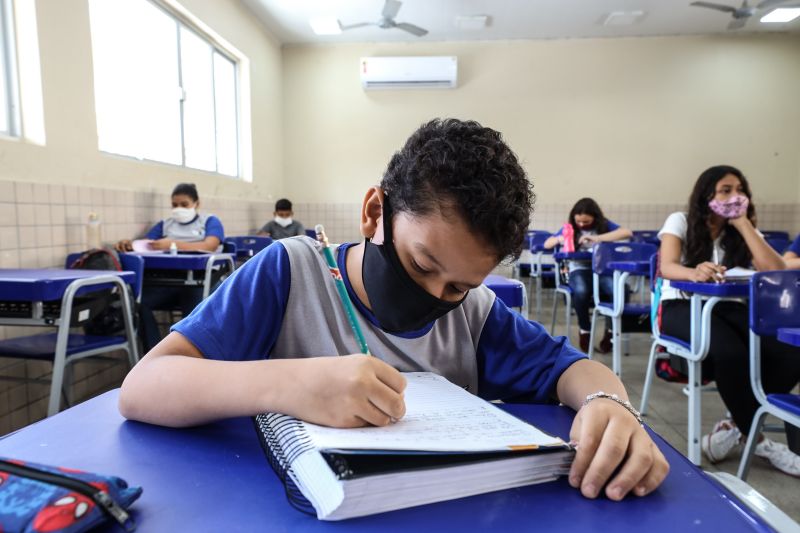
614	398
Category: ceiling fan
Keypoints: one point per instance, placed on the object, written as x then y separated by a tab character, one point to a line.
740	14
386	22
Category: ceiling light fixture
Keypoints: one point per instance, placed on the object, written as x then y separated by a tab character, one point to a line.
326	26
781	14
623	18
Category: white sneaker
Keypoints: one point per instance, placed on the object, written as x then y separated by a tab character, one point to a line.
724	440
780	456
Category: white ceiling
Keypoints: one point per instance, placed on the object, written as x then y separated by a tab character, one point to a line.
509	19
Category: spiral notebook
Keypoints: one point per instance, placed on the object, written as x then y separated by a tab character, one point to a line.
450	444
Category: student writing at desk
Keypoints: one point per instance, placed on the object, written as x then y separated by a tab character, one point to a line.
589	226
189	230
719	233
452	204
282	226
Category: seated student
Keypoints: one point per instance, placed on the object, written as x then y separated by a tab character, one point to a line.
274	337
189	230
589	226
792	255
282	226
719	233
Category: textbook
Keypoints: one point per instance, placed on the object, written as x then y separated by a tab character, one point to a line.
450	444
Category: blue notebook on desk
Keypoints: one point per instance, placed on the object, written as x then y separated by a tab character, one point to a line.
450	444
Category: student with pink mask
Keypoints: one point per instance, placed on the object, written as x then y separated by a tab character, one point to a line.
589	227
717	233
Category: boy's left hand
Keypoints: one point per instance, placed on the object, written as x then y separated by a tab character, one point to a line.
610	441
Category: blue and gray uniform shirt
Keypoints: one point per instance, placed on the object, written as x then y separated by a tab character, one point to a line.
283	304
195	231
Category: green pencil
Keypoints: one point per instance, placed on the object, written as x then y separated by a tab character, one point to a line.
341	289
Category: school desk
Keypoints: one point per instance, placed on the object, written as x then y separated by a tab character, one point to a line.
216	478
700	340
184	269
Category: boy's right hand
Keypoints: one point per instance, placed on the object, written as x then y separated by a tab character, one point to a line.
346	391
708	271
124	246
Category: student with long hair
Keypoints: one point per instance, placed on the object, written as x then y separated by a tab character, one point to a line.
718	233
590	226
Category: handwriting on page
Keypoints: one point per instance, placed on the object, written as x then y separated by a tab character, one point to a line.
440	416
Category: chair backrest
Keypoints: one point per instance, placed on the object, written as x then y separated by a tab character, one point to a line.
770	234
311	233
774	301
249	242
606	252
646	236
129	262
536	238
778	243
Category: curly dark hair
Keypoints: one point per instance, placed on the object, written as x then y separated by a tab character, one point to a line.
587	206
451	164
699	244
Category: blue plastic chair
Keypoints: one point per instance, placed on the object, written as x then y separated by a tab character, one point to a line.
605	253
63	348
311	233
539	270
774	304
772	234
778	243
646	236
510	291
246	246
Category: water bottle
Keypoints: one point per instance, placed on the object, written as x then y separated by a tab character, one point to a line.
173	249
93	231
569	238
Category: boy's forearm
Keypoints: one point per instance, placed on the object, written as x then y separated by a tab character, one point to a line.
179	391
585	377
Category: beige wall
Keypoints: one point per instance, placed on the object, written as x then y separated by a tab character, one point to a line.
71	156
623	120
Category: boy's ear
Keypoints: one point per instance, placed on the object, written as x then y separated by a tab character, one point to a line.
372	215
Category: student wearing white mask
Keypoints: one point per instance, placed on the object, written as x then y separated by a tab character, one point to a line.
187	228
190	231
282	226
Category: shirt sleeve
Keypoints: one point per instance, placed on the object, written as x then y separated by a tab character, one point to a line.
214	228
267	228
676	225
301	230
795	246
518	360
241	320
156	232
612	225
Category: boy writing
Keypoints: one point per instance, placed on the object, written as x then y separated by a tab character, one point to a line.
453	203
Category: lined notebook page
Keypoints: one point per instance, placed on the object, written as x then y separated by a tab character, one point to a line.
440	416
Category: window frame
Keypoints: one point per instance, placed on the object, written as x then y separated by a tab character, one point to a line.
9	66
183	22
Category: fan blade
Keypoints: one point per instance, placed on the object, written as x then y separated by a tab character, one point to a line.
410	28
712	5
736	24
358	25
768	4
390	9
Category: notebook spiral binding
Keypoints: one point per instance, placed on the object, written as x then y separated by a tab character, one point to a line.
283	441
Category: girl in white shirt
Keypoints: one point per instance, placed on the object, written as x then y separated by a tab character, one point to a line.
719	233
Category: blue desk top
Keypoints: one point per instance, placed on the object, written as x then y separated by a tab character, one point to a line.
634	267
180	261
493	280
728	289
43	284
216	478
789	336
536	248
573	256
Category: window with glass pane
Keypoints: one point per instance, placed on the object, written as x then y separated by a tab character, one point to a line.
155	90
5	75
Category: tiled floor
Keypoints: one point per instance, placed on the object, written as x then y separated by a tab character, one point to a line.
667	415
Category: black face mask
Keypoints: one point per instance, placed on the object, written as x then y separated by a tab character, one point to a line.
399	304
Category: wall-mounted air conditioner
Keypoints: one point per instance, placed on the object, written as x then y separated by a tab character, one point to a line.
426	72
